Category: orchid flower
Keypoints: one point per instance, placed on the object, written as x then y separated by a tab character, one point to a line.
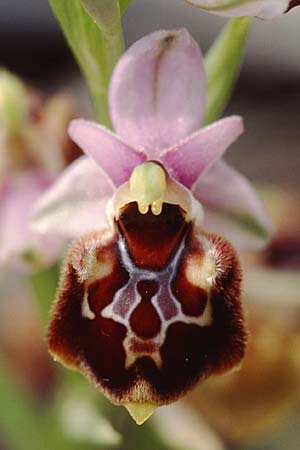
262	9
149	300
34	147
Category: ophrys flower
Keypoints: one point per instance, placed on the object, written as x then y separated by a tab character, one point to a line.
149	301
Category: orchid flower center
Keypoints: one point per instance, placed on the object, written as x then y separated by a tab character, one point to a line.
148	184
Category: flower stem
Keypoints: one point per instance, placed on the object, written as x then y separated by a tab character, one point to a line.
96	42
222	64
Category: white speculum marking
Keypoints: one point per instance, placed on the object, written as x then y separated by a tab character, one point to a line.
166	305
86	311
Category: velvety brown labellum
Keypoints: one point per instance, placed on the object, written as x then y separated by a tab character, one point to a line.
150	309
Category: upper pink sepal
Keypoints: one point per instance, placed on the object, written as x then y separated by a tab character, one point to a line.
188	159
76	203
157	91
232	207
262	9
116	158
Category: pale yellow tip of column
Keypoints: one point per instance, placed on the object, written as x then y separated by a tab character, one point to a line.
148	185
140	412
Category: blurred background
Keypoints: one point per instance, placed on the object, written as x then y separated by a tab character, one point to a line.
257	408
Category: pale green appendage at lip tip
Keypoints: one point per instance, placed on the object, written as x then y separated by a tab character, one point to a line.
140	412
222	64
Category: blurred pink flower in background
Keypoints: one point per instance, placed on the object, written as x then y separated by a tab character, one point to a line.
34	148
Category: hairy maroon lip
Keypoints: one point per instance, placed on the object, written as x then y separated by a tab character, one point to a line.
139	346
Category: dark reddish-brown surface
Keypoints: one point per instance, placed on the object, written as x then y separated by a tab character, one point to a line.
189	352
144	320
193	299
95	343
292	4
284	251
152	239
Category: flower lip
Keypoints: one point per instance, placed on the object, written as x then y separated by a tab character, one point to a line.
185	348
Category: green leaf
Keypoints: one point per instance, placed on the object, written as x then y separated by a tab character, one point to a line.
96	49
222	64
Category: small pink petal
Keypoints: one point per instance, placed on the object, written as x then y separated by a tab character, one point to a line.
17	196
262	9
157	91
189	158
76	203
116	158
232	207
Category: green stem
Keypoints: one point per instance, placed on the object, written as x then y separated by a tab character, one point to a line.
113	49
106	14
222	64
96	47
